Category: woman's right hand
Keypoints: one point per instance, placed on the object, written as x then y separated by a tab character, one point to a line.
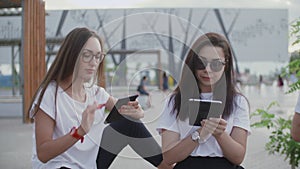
132	109
88	117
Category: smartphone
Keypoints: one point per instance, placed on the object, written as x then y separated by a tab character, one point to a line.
202	109
114	114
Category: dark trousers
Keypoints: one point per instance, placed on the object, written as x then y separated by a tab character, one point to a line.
127	132
206	163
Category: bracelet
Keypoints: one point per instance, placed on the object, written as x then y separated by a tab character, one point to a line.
74	134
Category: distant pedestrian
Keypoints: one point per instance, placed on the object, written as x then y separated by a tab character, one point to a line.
165	82
142	86
280	81
260	79
144	101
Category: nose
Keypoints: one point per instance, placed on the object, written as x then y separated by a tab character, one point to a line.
94	61
207	68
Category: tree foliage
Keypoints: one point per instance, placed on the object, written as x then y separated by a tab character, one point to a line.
280	140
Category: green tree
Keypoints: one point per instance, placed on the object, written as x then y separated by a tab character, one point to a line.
294	65
280	140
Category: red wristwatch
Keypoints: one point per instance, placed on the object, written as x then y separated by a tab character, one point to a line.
74	133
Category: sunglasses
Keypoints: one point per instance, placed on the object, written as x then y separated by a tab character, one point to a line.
214	65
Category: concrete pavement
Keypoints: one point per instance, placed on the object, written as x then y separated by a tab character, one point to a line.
16	137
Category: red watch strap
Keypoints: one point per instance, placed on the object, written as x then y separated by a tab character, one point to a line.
74	133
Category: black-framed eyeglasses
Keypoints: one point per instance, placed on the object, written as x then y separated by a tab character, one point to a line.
88	55
214	65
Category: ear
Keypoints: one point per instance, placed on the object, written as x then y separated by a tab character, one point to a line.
227	64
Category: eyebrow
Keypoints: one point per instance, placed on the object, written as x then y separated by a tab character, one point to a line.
92	51
203	58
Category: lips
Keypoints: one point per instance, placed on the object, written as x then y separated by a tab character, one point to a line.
206	78
90	71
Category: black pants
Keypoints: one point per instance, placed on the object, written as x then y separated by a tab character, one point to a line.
206	163
127	132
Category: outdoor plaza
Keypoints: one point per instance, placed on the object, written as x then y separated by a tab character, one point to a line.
16	137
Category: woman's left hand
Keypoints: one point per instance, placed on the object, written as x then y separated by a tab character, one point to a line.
216	126
132	109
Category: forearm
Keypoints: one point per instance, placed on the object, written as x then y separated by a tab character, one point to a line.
232	150
295	130
52	148
179	151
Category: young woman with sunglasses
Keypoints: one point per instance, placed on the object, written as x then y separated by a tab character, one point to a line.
219	143
68	111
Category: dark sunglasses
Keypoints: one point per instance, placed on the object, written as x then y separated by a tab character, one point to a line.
215	65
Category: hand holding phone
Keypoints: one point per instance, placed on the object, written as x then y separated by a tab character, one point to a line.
202	109
114	114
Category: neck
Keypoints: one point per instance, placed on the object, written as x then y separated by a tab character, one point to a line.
206	89
74	89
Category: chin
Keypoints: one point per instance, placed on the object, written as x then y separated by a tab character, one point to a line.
208	83
87	79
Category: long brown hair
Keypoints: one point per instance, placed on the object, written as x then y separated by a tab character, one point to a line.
65	61
188	86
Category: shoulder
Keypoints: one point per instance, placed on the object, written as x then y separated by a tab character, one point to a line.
240	99
95	89
241	103
50	89
168	109
168	116
52	85
170	101
99	92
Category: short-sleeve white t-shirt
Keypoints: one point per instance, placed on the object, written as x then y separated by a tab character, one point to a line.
238	118
68	114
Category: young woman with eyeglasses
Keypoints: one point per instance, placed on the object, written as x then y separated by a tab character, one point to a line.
219	143
68	111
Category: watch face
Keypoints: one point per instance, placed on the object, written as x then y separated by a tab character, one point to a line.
195	136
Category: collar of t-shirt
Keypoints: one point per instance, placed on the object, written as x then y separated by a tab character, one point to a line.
206	96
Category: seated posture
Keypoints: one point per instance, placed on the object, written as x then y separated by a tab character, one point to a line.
219	142
145	98
68	111
142	88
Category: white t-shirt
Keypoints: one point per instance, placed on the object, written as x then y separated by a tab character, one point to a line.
297	107
211	148
69	111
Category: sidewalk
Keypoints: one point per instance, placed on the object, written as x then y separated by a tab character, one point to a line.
16	143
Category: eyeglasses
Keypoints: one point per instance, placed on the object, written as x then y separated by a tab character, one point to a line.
214	65
88	55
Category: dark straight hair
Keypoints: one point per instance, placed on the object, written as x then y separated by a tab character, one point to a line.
188	86
65	61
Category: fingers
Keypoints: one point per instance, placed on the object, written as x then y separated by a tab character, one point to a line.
88	117
215	126
92	108
127	110
132	109
134	104
131	106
